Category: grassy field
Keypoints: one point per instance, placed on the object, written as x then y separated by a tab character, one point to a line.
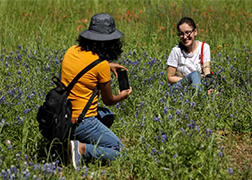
166	136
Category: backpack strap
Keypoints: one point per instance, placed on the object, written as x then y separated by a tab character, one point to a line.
83	113
86	69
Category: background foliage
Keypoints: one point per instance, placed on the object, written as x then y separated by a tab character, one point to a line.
166	136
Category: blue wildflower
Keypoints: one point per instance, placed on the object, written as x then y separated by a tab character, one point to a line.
189	125
193	104
134	52
230	170
153	151
230	104
2	99
182	129
165	111
160	100
220	154
208	131
10	147
163	138
4	174
156	119
175	156
177	112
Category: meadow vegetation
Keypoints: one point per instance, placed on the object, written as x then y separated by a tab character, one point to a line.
166	136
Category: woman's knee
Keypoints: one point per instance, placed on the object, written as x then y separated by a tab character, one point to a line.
195	77
195	73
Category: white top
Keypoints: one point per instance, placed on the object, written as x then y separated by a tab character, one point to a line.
186	62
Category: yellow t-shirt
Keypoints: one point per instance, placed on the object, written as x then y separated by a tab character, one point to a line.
74	61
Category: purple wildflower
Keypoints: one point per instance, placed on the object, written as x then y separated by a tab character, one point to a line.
2	99
208	132
156	119
165	110
182	129
230	171
153	151
163	138
27	110
220	154
193	104
177	112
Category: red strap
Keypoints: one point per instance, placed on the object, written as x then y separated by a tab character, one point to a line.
201	54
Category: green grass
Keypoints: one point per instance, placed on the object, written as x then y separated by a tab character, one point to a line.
166	137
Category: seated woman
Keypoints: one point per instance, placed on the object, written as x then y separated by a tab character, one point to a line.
184	61
92	138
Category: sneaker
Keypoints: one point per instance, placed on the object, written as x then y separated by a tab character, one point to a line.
75	154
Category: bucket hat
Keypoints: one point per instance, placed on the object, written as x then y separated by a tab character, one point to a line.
102	28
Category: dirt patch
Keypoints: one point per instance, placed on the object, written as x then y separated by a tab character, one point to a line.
238	148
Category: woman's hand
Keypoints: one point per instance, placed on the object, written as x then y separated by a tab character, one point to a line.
115	66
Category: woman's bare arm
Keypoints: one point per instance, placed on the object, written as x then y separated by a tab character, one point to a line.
171	75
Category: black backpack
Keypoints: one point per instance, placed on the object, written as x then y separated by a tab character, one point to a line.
54	116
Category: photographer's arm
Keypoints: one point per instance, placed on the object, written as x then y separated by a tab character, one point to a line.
108	98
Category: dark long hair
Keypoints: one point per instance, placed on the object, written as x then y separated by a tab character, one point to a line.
188	21
107	50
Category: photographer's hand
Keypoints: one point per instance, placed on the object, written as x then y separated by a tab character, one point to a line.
115	66
125	93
